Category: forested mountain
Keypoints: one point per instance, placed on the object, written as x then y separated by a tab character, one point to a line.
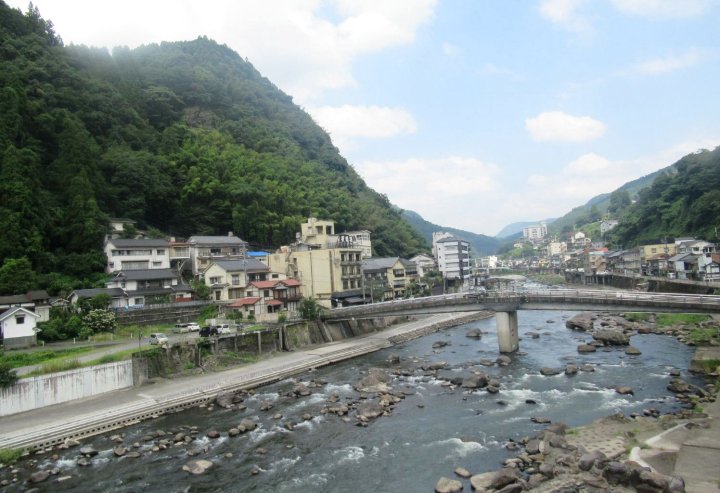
184	137
605	204
682	201
479	244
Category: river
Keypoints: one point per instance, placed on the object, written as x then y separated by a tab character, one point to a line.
432	431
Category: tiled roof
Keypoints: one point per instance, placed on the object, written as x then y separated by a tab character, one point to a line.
274	303
216	240
11	311
244	301
141	243
148	274
379	263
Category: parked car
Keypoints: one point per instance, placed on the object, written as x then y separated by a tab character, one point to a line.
224	329
208	331
181	329
193	327
159	338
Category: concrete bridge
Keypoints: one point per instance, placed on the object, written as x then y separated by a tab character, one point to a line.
505	304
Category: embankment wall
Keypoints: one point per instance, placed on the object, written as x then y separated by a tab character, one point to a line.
55	388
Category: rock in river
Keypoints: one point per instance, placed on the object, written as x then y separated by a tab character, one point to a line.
199	466
447	485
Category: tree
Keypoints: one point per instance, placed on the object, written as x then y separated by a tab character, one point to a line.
202	290
16	276
100	321
309	309
619	200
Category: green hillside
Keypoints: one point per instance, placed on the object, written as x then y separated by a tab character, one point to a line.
479	244
185	138
604	204
682	201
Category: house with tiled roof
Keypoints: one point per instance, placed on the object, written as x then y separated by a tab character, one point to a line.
204	250
228	279
265	300
136	254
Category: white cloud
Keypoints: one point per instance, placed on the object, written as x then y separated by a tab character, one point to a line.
668	64
561	127
441	190
347	123
304	47
492	69
664	9
565	13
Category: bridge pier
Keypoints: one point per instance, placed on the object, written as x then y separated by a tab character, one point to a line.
507	331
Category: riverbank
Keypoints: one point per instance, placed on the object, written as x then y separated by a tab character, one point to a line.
53	425
648	451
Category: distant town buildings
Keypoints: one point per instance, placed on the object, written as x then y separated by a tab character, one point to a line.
535	232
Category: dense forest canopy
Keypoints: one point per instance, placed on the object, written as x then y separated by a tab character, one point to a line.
184	138
682	201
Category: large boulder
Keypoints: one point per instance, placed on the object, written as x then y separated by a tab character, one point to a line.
224	399
611	337
582	322
474	334
370	410
376	380
475	381
447	485
199	466
435	365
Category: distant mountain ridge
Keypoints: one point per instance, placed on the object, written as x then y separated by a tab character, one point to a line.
480	244
515	228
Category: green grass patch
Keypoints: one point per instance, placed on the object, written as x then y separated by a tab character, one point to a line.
10	455
637	317
19	359
666	319
702	335
55	366
710	365
253	328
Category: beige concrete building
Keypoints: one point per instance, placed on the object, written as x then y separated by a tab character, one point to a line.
320	233
648	251
322	272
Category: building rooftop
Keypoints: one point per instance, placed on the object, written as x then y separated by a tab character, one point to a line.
216	240
139	243
247	265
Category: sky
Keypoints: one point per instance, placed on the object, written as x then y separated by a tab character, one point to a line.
473	113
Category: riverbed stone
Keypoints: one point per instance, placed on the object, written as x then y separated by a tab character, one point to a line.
39	476
586	348
475	381
199	466
224	399
632	351
582	322
474	334
440	344
548	372
624	390
247	424
571	369
503	360
377	380
119	451
447	485
435	365
369	410
611	337
462	472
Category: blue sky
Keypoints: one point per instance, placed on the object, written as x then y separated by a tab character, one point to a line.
473	113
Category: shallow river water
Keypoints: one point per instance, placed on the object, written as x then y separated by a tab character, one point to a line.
429	433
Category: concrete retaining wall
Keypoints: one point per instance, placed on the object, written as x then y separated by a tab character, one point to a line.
45	390
170	313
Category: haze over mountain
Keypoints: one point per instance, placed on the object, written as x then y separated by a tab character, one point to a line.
480	244
183	137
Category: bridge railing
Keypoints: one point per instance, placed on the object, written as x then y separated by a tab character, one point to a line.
568	296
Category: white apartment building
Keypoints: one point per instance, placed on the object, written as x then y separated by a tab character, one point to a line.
535	232
143	254
453	256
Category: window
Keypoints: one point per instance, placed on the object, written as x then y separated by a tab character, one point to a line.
266	293
275	276
215	280
20	319
138	301
161	251
328	230
215	251
156	264
236	279
218	294
248	293
345	284
318	229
